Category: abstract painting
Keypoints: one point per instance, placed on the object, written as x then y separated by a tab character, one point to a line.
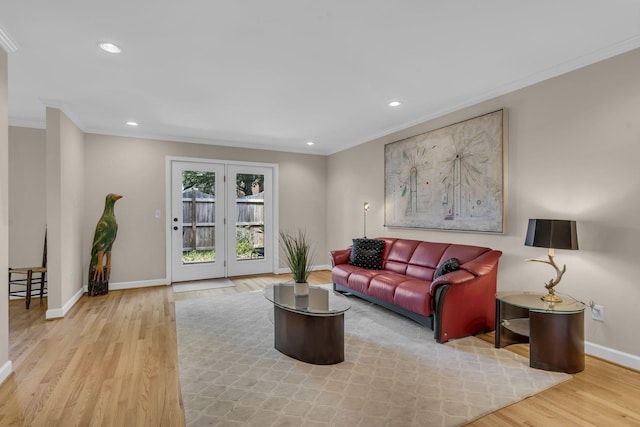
452	178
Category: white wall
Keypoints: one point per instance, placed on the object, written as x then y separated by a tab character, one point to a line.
574	146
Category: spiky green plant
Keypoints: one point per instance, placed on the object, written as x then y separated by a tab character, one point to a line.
299	254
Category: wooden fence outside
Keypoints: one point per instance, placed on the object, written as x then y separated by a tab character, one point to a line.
199	213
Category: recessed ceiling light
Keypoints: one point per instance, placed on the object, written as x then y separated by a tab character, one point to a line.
131	123
310	142
109	47
394	103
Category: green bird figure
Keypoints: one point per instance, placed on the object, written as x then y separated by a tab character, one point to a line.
103	239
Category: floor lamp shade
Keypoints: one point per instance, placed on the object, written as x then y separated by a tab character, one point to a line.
552	233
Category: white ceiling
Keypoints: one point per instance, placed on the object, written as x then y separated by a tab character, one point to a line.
276	74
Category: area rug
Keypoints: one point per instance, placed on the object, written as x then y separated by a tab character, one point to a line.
201	285
394	372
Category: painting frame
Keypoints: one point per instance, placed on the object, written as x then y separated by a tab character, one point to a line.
453	178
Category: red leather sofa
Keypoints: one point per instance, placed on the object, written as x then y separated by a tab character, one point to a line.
454	305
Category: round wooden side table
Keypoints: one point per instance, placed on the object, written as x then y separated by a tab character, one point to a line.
554	331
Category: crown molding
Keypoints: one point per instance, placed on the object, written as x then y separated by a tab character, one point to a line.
35	124
64	107
6	41
559	69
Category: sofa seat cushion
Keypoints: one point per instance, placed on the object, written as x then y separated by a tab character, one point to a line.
355	278
413	295
383	286
340	273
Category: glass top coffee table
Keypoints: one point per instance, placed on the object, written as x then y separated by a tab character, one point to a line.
310	326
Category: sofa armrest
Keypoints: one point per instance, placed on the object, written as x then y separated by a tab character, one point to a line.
464	300
340	256
483	264
453	278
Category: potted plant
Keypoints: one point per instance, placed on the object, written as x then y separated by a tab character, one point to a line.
299	256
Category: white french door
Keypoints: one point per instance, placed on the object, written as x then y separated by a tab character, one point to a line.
197	221
222	220
249	220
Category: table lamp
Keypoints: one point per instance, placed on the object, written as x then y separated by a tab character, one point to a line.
552	234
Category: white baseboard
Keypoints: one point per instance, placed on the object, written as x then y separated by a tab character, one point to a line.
5	371
57	313
118	286
625	359
138	284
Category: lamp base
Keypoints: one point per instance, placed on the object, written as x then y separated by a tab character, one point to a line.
551	298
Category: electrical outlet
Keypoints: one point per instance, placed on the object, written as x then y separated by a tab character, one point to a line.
597	312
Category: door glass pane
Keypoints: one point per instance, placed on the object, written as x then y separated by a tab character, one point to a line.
198	217
249	217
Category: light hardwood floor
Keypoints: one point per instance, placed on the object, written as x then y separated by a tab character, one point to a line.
112	361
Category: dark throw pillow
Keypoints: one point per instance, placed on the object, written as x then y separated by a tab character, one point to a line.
367	253
445	267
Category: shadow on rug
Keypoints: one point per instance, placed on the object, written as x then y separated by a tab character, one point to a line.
394	372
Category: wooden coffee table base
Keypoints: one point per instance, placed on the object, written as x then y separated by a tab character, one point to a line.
312	339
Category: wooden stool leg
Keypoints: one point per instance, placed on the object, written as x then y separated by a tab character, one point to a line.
42	284
28	295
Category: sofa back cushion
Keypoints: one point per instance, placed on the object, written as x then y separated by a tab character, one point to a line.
399	254
424	260
463	253
420	259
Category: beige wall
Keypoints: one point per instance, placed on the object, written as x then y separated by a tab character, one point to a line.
574	147
27	192
135	168
73	220
5	364
65	210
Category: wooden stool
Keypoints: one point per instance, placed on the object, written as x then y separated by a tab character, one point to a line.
29	280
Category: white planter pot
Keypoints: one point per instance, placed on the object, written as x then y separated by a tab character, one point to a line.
301	288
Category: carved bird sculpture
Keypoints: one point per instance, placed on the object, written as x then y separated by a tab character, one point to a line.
103	239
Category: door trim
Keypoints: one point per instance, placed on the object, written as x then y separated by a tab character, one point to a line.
167	210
